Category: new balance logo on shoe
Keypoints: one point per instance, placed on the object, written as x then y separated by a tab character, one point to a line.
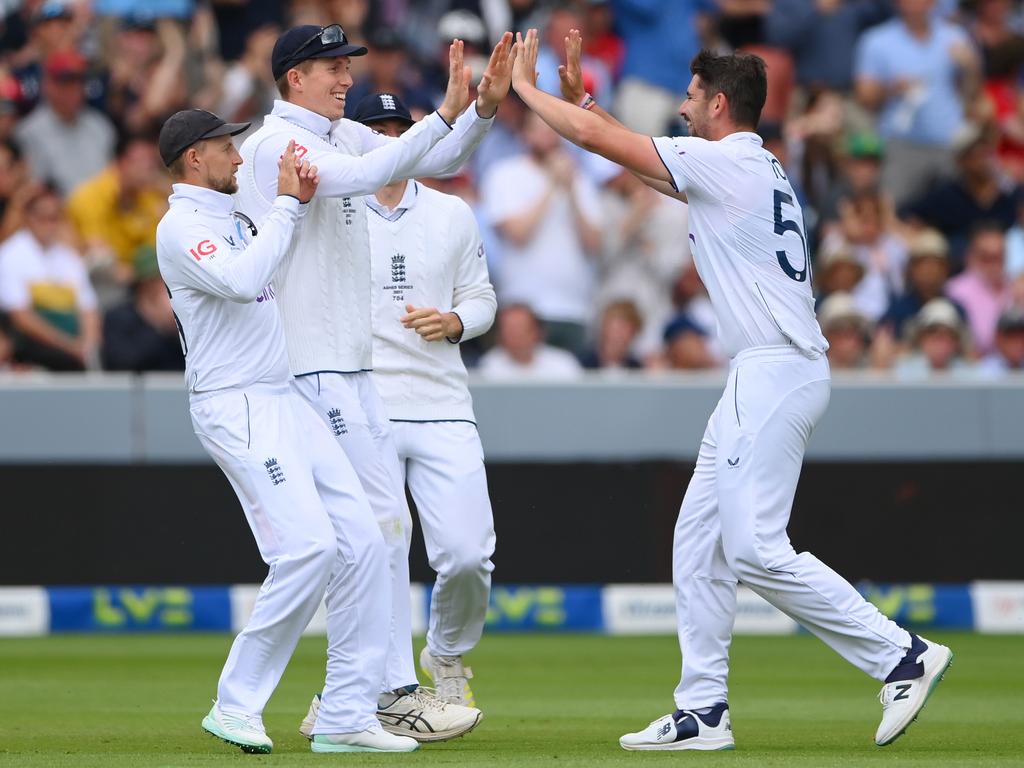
901	692
664	730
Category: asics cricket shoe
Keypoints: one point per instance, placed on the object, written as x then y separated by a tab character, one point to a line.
424	717
449	676
685	729
374	739
244	731
908	687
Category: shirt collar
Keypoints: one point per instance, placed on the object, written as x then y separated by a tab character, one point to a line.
202	198
743	136
301	116
407	202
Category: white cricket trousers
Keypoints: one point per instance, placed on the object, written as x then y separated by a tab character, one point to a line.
316	531
349	405
732	528
443	463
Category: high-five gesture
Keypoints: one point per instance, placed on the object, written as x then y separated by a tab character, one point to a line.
295	178
570	74
456	98
524	70
496	79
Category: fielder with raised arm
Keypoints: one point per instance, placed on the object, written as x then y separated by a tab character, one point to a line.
748	243
302	499
324	290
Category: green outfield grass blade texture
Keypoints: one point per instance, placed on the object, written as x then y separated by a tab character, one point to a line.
548	700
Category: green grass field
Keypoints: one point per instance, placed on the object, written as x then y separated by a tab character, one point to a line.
549	700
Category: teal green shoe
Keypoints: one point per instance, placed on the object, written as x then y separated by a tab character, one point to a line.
370	740
244	731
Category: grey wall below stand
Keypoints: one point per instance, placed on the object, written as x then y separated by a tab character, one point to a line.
116	419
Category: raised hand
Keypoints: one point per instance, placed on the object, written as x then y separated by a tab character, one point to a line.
295	178
570	74
308	181
524	69
456	98
497	78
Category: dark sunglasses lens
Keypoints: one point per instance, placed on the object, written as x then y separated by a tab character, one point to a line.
332	35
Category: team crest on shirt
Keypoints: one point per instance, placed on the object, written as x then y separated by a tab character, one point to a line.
337	423
348	210
274	470
399	277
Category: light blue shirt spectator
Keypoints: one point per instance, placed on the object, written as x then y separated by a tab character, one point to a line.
153	9
661	39
929	112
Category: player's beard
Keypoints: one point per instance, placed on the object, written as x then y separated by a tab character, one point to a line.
227	185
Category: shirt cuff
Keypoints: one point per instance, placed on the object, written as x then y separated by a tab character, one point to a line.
288	203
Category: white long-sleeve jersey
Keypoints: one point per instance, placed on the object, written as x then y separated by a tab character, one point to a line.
218	276
324	293
426	252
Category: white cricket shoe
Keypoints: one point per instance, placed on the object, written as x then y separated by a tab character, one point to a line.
306	726
374	739
449	676
903	699
424	717
244	731
685	729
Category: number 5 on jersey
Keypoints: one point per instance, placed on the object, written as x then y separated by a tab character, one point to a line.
782	226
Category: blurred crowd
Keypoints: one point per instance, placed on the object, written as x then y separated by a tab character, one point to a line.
899	122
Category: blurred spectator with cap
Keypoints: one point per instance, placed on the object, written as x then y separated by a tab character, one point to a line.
50	29
686	345
1008	354
983	289
521	352
847	329
917	70
117	210
939	343
64	139
45	289
389	69
860	170
978	193
927	272
838	270
141	334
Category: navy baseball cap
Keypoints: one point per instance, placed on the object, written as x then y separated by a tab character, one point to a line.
381	106
185	128
310	42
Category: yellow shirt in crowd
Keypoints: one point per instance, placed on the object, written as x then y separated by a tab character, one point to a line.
97	214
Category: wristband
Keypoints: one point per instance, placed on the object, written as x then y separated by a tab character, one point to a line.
587	102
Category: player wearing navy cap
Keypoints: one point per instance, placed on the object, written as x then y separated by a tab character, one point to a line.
748	243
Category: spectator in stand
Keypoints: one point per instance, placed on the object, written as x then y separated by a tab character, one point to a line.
848	331
45	290
838	270
917	70
983	289
644	247
10	93
690	299
14	187
927	272
548	215
860	171
390	70
661	38
621	324
564	17
991	29
141	334
868	225
601	43
1008	354
51	29
248	90
978	194
64	140
822	37
939	344
521	352
116	211
686	345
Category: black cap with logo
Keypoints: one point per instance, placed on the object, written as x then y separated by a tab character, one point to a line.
185	128
381	106
310	42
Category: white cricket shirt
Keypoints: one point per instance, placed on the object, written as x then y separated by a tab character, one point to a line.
218	276
426	252
748	242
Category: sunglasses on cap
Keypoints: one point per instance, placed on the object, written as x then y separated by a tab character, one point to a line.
332	34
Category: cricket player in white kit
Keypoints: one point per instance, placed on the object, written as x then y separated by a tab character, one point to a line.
749	247
324	290
431	291
302	499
